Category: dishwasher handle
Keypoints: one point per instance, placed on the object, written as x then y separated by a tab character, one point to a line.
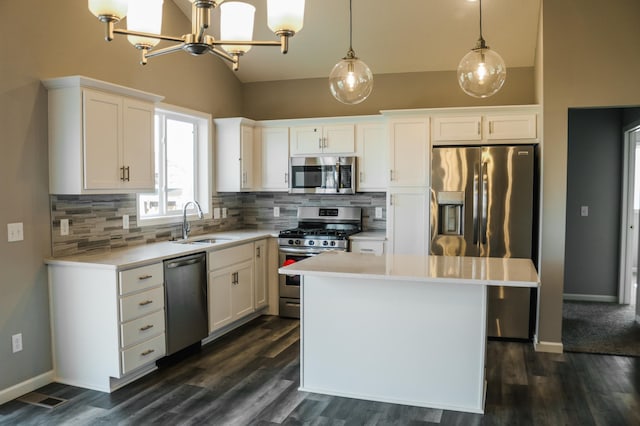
185	262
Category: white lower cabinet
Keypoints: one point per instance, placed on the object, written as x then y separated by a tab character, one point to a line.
108	327
261	274
231	285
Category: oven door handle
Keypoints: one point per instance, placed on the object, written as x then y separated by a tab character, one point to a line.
293	250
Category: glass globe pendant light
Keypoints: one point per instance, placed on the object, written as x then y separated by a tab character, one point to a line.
481	72
351	80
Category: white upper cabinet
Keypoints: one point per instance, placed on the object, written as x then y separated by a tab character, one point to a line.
272	148
485	125
373	153
101	137
328	139
517	126
408	221
459	128
409	151
234	151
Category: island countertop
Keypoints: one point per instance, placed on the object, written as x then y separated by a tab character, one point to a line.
445	269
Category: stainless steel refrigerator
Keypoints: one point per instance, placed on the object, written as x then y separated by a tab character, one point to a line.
482	205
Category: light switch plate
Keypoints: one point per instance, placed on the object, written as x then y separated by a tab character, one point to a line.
276	212
16	342
64	226
378	212
216	213
125	221
15	232
584	211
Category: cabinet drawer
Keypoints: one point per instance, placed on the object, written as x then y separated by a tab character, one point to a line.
222	258
137	330
368	247
141	278
143	353
141	304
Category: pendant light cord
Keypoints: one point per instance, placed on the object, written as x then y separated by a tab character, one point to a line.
350	25
481	19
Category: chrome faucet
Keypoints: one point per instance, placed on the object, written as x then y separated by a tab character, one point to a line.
186	227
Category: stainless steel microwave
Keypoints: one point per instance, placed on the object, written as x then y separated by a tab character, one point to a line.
322	175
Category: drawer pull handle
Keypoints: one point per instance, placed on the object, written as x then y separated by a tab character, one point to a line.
146	302
145	277
148	352
366	250
146	327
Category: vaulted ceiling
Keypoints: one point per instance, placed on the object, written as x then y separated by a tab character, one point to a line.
390	36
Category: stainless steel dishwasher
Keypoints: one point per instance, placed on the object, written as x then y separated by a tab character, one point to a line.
185	301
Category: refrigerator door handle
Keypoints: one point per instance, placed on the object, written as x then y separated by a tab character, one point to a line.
476	177
485	201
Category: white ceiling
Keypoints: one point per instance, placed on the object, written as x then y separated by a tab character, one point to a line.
390	36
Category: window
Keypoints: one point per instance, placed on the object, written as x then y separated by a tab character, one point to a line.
182	153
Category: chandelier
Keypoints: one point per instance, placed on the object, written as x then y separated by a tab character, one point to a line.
144	21
481	72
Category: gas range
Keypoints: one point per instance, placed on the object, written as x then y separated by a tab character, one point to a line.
322	228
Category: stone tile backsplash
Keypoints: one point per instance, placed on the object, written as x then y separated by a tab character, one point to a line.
95	221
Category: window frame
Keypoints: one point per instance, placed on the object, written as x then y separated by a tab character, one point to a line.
203	172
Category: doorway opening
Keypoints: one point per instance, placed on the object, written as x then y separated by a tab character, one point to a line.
630	226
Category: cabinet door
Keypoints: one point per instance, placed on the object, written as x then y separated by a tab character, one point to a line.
261	296
408	222
242	290
138	156
306	140
102	125
339	139
463	128
275	158
409	152
246	157
521	126
220	311
372	153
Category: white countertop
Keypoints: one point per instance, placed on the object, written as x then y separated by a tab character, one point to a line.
130	257
369	236
446	269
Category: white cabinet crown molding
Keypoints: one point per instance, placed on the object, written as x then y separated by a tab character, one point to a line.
82	81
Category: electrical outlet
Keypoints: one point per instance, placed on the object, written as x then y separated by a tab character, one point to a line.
378	212
15	232
16	342
64	226
224	212
276	212
125	221
216	213
584	211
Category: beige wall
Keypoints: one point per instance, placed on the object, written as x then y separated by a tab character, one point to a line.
311	98
590	59
50	39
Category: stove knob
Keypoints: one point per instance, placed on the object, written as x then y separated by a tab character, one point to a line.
290	242
311	242
325	243
297	242
333	243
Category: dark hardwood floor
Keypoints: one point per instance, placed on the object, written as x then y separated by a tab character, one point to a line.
251	376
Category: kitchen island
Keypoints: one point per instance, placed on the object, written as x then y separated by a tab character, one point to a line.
399	328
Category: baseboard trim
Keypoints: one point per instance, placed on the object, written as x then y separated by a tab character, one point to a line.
589	298
25	387
549	347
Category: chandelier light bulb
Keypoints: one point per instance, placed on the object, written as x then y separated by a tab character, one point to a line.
236	23
145	16
116	9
